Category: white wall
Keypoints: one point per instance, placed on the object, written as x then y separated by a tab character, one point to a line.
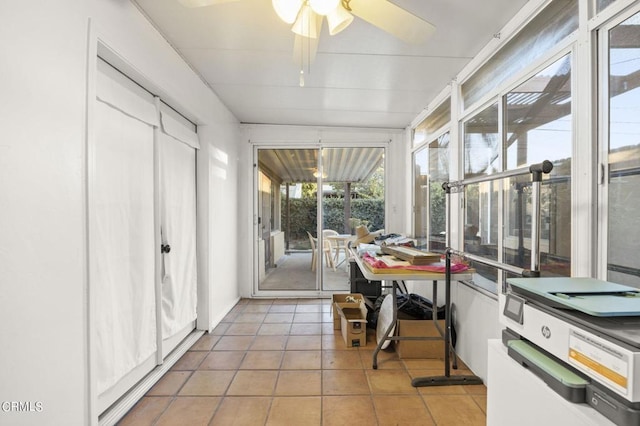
43	283
42	249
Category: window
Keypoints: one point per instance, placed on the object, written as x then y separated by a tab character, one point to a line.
482	157
439	173
557	21
624	153
538	127
431	170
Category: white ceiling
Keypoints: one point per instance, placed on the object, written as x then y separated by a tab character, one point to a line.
361	77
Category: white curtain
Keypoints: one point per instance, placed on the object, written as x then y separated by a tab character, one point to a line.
122	244
178	229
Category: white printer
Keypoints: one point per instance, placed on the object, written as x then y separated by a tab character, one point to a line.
580	335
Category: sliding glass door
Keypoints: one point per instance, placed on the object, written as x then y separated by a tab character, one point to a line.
621	153
309	203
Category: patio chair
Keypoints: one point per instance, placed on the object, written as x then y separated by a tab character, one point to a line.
332	243
326	250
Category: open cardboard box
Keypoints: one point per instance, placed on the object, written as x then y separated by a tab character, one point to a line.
353	324
341	300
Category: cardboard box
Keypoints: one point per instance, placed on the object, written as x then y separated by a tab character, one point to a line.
411	349
353	324
341	300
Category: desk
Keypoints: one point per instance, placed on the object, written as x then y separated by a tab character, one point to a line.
341	241
396	275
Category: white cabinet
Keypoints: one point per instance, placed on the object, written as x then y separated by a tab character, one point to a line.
516	396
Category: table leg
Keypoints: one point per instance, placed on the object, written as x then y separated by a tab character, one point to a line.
391	326
447	379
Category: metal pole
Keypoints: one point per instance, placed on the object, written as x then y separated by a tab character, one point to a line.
535	225
447	313
545	167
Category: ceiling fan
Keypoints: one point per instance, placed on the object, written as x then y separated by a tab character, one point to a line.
306	14
305	18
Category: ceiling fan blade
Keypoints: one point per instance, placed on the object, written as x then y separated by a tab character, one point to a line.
393	19
201	3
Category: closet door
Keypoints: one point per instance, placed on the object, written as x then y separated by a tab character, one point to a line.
178	234
122	238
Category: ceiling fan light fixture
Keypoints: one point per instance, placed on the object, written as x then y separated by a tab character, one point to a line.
323	7
287	10
306	24
338	20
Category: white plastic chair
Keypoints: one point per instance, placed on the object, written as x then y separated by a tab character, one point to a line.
332	243
326	250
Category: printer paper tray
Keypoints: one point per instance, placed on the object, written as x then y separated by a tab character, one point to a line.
564	381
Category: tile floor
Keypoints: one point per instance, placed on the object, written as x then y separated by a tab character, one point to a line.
279	362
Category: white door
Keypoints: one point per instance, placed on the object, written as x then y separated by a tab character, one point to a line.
121	251
178	234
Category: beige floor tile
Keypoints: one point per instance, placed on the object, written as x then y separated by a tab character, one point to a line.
304	343
257	308
170	383
390	382
222	360
301	360
481	400
262	360
409	410
424	364
250	317
260	301
335	342
279	318
207	383
313	301
285	301
298	411
250	371
307	317
242	329
233	343
189	361
348	410
327	328
299	382
279	308
344	382
205	343
387	360
146	411
454	410
230	317
274	329
306	329
220	328
193	411
308	308
253	383
475	389
341	360
242	411
269	343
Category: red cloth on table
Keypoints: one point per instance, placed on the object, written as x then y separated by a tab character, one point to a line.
432	267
